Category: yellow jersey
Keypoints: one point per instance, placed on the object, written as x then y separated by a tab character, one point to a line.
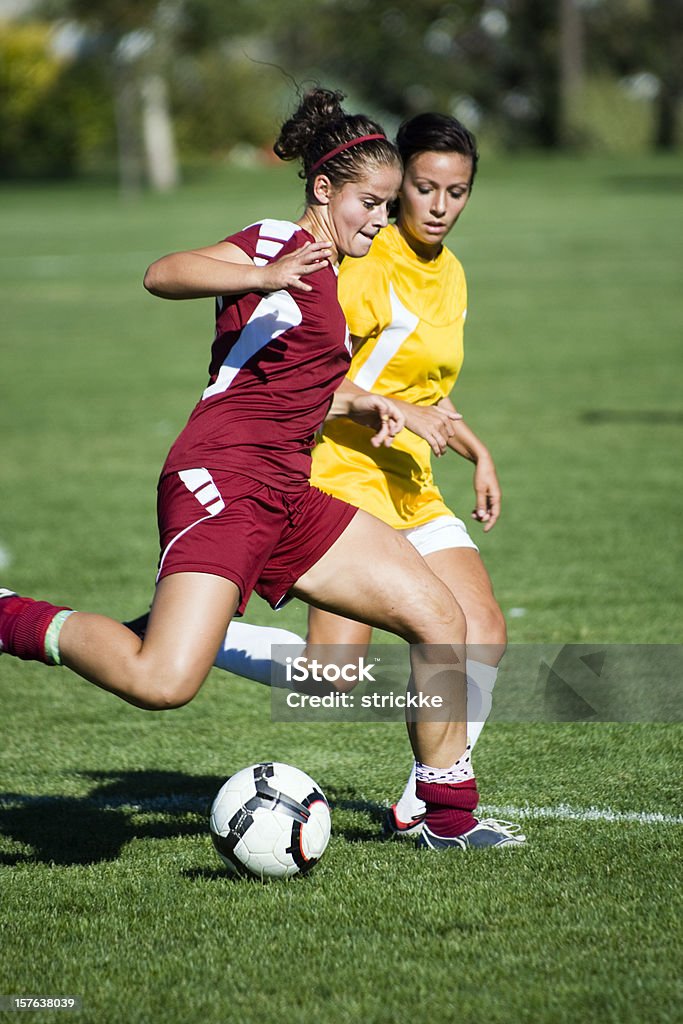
410	315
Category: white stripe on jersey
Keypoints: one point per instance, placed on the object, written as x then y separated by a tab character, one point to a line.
403	323
272	236
267	247
280	229
274	315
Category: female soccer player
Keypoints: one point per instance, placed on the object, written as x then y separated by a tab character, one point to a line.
236	510
405	305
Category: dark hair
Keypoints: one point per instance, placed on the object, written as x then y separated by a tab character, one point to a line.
318	126
436	133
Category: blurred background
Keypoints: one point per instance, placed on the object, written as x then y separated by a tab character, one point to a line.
145	89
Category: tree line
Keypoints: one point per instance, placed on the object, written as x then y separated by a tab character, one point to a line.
137	82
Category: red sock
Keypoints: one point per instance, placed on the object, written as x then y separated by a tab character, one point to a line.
23	625
449	806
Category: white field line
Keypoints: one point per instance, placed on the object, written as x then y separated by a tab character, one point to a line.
188	804
563	812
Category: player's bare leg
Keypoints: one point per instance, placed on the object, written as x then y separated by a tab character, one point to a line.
373	574
465	575
189	616
463	572
334	639
326	628
445	778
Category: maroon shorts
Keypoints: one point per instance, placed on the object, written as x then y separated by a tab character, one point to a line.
229	525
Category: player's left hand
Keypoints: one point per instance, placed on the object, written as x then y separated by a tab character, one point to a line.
435	425
380	413
488	493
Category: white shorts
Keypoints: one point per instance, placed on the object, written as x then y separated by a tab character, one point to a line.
440	533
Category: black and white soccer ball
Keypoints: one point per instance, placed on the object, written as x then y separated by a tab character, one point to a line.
270	820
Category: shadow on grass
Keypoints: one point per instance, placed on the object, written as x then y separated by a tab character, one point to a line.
89	829
358	831
653	183
222	875
66	830
650	417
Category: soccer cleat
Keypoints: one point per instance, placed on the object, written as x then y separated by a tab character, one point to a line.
488	832
394	828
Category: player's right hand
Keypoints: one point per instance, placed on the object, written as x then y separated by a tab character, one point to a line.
289	271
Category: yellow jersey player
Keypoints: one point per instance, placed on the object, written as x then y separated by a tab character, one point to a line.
406	317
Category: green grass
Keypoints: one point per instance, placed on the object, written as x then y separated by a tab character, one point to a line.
572	377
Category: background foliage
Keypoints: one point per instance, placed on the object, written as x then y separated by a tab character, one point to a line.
592	75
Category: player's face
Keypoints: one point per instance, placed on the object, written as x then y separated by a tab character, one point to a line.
359	209
434	192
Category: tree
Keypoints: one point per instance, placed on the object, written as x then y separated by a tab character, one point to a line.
570	67
636	37
136	38
666	47
37	136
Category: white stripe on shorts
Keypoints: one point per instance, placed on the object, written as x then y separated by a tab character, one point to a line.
200	483
439	534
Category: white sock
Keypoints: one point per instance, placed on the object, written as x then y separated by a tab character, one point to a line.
409	806
481	679
246	651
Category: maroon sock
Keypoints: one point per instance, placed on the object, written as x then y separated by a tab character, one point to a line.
23	625
449	806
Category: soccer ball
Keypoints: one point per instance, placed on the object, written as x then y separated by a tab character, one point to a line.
270	820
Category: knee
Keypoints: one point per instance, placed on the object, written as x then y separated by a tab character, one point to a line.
435	617
169	691
486	626
162	700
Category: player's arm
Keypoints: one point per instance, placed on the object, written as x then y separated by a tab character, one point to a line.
376	411
225	269
487	491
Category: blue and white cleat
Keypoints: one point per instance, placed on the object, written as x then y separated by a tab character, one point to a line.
488	832
394	828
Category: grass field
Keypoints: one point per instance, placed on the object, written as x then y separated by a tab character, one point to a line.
110	888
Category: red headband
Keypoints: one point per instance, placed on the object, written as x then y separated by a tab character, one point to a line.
340	149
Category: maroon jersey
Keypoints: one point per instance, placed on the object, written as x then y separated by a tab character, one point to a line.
276	361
